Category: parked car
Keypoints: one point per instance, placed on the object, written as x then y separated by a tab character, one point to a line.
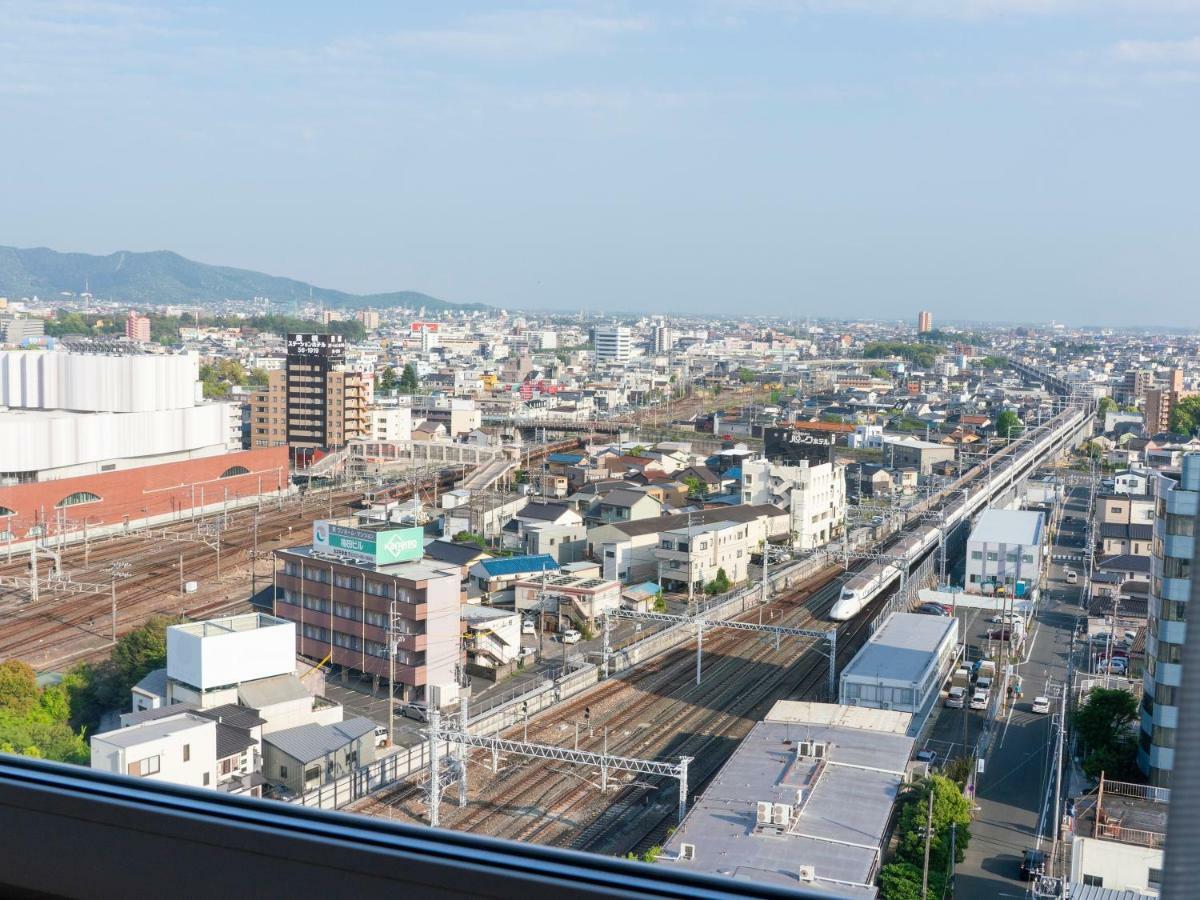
1033	863
957	697
984	683
979	700
415	711
381	736
1000	634
927	756
529	627
571	636
1041	704
1002	619
526	653
932	609
1072	576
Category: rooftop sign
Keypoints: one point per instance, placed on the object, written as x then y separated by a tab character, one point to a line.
379	548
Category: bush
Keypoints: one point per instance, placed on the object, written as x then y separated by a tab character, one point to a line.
718	585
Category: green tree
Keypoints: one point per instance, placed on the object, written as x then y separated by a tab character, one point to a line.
408	380
257	378
744	375
1107	405
34	720
900	881
1185	416
387	380
694	485
105	686
18	688
880	372
1103	726
220	376
1007	424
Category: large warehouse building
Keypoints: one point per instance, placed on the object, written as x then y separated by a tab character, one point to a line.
89	439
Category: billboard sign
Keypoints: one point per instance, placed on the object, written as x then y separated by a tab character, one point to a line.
793	445
379	548
329	345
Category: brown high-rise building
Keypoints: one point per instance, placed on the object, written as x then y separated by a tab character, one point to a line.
313	402
924	321
1160	401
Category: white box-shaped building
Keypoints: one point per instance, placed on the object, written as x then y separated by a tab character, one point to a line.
903	664
1005	549
222	653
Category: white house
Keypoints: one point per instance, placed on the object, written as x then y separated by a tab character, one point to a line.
866	437
696	554
814	496
1004	552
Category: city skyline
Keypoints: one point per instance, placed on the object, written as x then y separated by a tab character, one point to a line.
1020	161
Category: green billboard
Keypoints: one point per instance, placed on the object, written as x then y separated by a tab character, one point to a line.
381	547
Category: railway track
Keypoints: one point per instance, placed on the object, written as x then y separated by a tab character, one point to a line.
654	711
65	627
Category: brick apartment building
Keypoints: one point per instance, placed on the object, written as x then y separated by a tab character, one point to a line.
313	402
342	589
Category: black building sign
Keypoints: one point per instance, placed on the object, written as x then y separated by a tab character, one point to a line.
791	445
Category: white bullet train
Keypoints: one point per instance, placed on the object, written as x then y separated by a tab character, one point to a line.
868	583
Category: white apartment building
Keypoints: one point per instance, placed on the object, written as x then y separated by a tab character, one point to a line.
614	343
813	495
695	555
391	423
1004	552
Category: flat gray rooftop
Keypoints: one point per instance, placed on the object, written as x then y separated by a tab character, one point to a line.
1008	526
840	820
902	648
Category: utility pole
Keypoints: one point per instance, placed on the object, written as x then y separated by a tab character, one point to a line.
928	838
435	776
33	572
1058	764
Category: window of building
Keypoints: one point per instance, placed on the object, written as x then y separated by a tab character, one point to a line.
992	556
1176	567
5	511
143	767
1154	878
976	554
77	498
1094	880
312	775
187	752
226	766
283	771
206	779
234	471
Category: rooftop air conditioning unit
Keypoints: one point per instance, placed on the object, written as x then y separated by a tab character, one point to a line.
764	812
807	873
687	852
781	814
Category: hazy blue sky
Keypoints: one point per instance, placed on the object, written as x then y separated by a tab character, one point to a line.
1007	159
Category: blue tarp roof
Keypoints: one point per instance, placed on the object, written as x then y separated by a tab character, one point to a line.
735	472
567	458
519	565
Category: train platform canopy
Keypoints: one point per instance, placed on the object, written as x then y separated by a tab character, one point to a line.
803	802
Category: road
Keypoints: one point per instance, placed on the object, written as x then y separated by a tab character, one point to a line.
1011	792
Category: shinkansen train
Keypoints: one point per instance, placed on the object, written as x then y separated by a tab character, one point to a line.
868	583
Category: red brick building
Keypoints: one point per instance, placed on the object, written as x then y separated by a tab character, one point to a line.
163	491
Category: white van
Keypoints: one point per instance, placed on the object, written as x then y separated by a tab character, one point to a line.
1072	576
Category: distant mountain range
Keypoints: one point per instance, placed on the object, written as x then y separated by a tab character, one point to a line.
163	277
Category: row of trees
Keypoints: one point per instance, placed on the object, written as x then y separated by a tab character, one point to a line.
165	329
901	879
54	721
922	355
